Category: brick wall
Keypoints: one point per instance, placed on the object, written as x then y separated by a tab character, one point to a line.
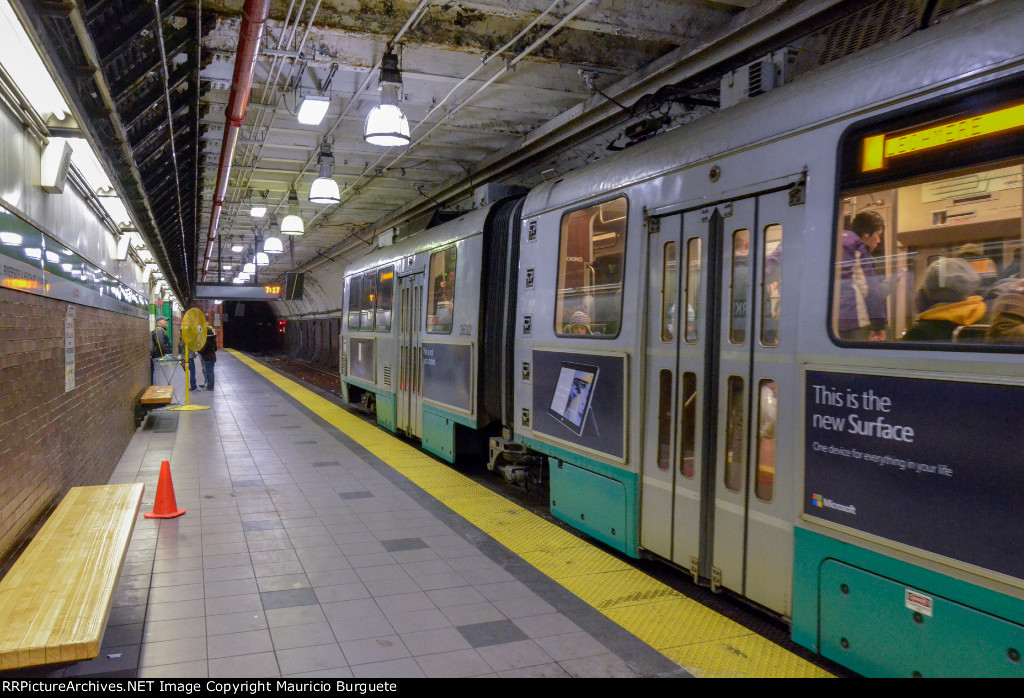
50	440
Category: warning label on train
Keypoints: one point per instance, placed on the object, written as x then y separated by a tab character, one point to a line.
929	463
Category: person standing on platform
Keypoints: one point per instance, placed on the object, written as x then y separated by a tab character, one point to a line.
161	341
209	354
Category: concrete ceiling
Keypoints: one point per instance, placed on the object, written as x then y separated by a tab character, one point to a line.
527	62
496	91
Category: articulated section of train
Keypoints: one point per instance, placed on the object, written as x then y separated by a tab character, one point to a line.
775	347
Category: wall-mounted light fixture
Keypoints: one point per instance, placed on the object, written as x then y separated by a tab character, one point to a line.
312	109
386	125
325	190
292	223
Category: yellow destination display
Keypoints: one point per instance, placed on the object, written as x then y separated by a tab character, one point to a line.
876	150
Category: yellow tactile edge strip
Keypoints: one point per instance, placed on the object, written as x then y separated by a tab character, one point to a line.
700	640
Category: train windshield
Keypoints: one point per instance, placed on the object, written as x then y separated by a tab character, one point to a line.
591	252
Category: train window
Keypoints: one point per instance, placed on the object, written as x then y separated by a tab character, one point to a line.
385	295
771	285
665	420
689	423
591	253
355	297
693	265
369	297
740	286
441	291
935	260
669	291
767	411
735	454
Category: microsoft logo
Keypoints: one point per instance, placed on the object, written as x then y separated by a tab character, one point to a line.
826	503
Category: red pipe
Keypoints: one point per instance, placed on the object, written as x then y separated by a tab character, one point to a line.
254	19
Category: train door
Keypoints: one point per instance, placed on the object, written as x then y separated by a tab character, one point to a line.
712	377
409	416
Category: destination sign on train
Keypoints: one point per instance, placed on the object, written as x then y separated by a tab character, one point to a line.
878	149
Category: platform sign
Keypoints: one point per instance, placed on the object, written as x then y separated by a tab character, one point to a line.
239	292
933	464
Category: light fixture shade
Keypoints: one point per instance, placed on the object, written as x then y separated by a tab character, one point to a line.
324	191
272	245
312	109
292	225
236	248
387	126
238	280
262	259
244	276
249	268
258	211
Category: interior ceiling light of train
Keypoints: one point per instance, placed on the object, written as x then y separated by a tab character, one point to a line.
509	92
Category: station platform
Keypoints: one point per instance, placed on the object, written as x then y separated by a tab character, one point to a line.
317	545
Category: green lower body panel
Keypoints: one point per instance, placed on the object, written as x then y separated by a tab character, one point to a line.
884	617
386	410
593	503
439	435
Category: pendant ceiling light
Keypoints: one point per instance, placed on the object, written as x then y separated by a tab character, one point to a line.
272	245
262	259
386	125
249	268
236	248
325	189
292	224
258	209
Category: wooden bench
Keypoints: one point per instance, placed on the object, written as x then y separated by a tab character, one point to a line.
153	397
55	600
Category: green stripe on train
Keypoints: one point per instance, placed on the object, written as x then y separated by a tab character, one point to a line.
884	617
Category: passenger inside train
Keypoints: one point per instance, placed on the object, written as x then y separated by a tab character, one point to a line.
970	220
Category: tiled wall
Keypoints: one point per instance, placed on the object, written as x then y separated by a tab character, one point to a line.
52	440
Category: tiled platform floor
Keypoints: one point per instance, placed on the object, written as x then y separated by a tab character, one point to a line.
303	555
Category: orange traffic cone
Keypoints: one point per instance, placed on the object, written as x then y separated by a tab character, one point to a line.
164	507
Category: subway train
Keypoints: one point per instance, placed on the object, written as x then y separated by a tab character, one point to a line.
710	345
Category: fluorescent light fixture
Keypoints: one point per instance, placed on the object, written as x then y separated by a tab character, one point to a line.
386	125
292	224
22	63
258	211
83	158
313	109
272	245
115	208
262	259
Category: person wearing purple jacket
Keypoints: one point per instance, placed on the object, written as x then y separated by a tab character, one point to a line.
862	306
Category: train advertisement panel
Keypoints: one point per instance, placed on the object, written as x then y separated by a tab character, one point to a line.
580	399
933	464
447	370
